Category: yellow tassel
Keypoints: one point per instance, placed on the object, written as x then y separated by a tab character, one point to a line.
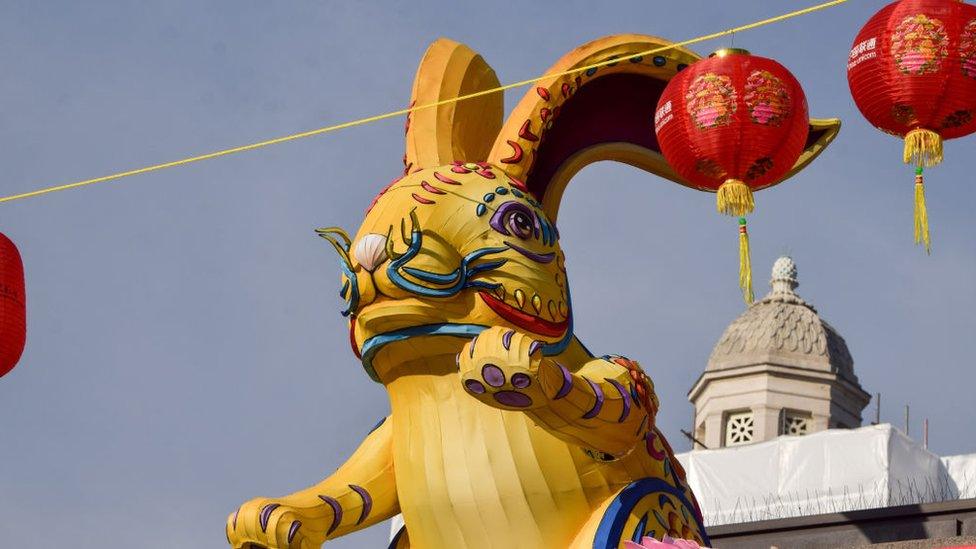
923	148
734	198
745	263
921	213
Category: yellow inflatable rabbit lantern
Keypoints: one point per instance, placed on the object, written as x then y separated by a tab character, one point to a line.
505	430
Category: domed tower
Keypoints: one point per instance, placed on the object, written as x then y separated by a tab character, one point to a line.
779	369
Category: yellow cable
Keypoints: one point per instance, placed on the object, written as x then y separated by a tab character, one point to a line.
367	120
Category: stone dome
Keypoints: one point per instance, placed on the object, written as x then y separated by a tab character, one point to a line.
784	330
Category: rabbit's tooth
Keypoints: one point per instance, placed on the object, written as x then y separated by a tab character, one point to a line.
500	292
520	297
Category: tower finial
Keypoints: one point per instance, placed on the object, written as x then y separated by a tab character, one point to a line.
784	275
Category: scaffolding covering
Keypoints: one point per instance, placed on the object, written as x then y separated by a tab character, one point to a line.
831	471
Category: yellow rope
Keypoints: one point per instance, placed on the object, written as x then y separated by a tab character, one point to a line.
367	120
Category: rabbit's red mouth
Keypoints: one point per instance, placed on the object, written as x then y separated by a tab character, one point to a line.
530	323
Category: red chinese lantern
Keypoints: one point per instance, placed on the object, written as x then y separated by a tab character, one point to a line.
733	124
13	314
912	72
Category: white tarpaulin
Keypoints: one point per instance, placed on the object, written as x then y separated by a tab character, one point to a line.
962	470
831	471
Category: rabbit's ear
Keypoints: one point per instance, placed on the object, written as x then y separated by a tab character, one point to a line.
607	113
461	130
568	121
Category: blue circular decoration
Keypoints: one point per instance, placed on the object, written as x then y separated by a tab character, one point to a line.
611	528
660	61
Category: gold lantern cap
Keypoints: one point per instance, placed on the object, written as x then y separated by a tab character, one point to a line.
724	52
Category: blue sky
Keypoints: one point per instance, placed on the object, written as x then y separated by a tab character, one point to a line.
185	349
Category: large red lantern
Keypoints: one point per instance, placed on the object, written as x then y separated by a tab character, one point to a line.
733	124
912	72
13	314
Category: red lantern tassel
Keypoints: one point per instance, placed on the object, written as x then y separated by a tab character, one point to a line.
922	148
921	213
745	263
734	198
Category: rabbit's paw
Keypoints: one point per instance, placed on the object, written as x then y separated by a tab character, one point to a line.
264	523
499	367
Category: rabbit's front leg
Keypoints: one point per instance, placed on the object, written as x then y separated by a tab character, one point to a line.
603	405
360	493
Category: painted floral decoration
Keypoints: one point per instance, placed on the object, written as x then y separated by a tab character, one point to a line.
919	45
709	168
711	100
903	114
667	542
957	119
481	168
759	168
766	96
967	49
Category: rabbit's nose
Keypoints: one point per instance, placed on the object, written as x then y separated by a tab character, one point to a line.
370	251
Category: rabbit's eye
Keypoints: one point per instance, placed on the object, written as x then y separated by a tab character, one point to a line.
516	219
520	225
